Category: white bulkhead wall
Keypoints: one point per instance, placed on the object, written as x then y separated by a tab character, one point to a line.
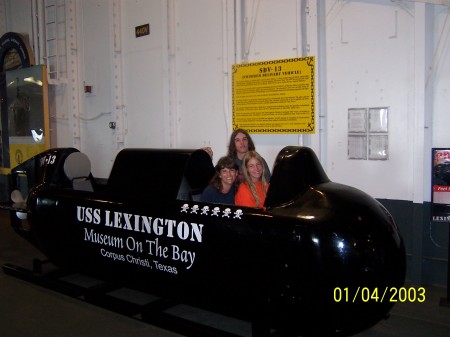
176	82
145	74
370	63
172	88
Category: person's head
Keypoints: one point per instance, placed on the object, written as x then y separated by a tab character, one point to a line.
240	144
226	174
253	168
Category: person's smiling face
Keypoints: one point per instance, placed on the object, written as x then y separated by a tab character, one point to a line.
255	169
228	177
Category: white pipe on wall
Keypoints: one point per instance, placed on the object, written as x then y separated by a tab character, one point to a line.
300	27
418	115
225	66
172	73
73	68
120	113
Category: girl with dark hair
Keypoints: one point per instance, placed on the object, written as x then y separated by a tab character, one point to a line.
223	186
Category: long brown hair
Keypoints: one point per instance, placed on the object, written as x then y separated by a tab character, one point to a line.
249	155
232	145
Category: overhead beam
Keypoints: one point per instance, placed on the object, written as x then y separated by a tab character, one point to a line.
434	2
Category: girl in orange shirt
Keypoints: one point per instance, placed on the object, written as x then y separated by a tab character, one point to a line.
252	192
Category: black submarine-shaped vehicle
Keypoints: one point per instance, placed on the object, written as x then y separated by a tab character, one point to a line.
320	259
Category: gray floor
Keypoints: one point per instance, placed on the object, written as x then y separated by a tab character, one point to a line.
32	311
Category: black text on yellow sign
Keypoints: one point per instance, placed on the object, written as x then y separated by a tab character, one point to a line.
275	97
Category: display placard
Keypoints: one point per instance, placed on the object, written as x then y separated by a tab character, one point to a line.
357	120
440	182
357	147
378	147
368	136
275	97
378	120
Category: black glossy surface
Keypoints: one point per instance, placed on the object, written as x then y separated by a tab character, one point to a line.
280	266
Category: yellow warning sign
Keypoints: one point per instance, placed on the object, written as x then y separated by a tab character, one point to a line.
274	97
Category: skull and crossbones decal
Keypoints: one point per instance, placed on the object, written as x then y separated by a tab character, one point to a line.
212	211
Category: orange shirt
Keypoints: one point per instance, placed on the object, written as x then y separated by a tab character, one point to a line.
244	196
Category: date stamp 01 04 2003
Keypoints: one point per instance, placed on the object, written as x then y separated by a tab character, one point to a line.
391	294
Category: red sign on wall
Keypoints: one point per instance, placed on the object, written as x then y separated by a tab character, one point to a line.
440	181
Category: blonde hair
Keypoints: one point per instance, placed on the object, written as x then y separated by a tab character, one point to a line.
249	155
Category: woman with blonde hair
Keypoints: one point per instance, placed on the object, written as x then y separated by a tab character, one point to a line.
252	192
